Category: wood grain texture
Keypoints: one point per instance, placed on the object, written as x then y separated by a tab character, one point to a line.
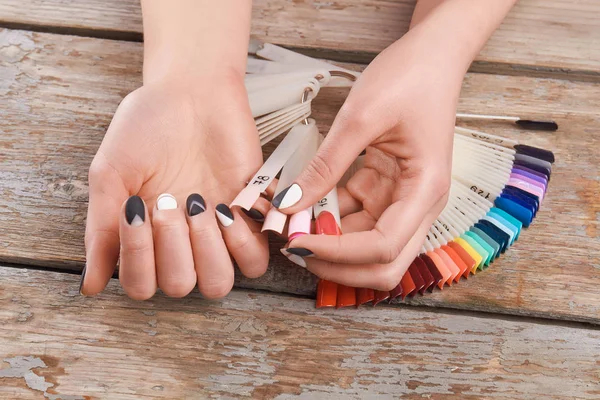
539	36
268	346
59	93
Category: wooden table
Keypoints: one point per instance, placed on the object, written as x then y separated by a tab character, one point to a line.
526	328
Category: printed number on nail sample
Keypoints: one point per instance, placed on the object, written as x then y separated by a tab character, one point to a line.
487	139
262	179
322	202
481	192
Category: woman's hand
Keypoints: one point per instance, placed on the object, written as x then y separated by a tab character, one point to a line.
402	110
180	138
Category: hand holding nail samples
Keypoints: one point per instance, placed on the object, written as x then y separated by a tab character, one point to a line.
170	161
406	124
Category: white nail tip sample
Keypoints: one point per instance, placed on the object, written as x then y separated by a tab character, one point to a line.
166	201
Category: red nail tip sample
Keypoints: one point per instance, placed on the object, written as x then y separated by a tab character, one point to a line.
364	296
327	225
326	294
417	278
380	296
396	292
346	296
428	278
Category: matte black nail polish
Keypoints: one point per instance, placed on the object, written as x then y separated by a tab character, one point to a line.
299	251
224	215
82	278
254	214
135	212
195	204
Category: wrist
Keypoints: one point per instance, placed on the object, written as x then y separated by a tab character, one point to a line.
193	39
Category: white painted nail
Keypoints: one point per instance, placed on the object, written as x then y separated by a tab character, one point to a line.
288	197
166	201
224	215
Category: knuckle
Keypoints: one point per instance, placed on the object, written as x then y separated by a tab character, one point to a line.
136	246
177	288
356	113
215	289
389	279
388	250
204	233
238	244
100	171
440	183
139	292
255	269
318	169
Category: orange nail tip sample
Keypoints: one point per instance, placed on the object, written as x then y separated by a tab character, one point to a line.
442	267
364	296
450	264
326	294
466	257
462	267
380	296
408	285
346	296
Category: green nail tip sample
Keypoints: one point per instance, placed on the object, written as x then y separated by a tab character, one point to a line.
477	247
491	242
489	249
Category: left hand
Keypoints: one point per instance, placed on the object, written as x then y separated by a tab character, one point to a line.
402	110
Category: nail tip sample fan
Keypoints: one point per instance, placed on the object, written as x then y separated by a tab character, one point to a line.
497	188
497	185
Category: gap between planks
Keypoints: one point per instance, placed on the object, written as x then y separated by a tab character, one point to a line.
541	319
335	55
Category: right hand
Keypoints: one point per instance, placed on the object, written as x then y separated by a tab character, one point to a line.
177	138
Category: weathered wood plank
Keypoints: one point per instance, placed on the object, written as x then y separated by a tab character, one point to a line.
539	36
253	345
59	93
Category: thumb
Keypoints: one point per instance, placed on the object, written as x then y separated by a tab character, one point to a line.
107	194
338	151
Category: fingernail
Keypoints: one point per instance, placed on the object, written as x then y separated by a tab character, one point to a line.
299	251
254	214
135	213
288	197
224	215
195	204
297	260
166	201
82	278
